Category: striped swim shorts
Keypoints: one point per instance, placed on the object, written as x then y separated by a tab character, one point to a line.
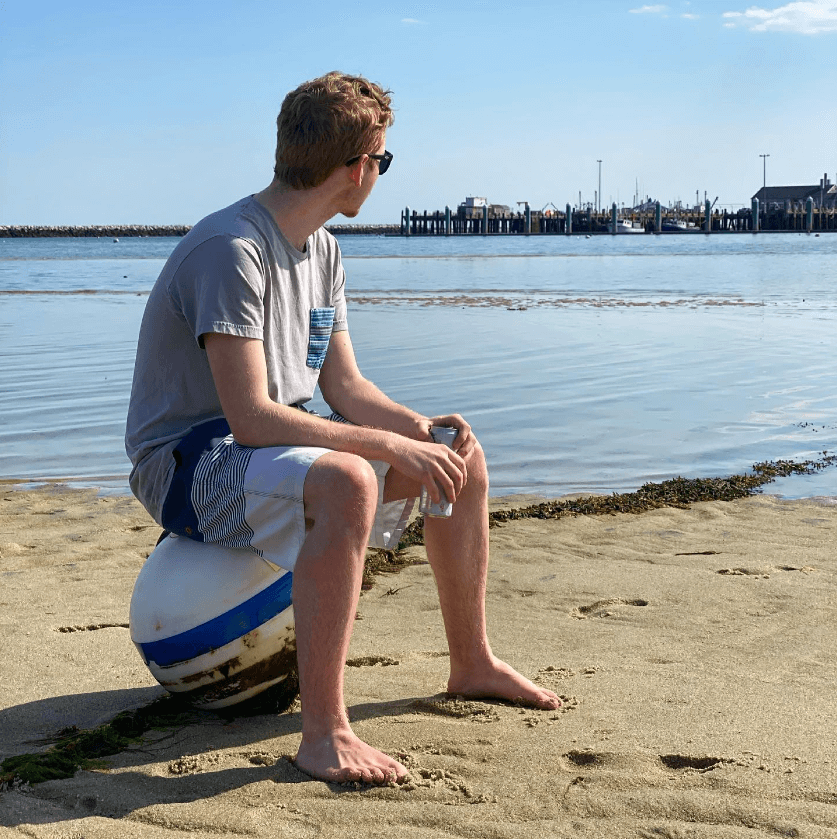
241	497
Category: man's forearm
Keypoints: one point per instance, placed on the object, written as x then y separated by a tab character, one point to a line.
363	403
280	425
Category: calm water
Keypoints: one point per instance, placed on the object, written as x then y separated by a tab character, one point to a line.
584	364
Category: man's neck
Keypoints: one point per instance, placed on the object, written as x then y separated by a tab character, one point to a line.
297	212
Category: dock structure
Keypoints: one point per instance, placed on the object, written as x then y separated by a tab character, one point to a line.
486	221
498	220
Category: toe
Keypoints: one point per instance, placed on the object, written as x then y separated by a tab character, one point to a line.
551	701
350	776
376	776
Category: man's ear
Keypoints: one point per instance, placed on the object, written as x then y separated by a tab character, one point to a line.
358	169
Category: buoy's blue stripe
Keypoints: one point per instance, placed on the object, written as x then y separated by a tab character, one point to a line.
249	615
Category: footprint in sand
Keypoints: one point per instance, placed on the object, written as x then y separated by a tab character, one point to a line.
92	627
612	761
455	707
372	661
762	572
604	608
436	782
693	763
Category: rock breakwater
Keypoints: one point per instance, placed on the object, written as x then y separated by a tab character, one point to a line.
31	231
364	229
93	231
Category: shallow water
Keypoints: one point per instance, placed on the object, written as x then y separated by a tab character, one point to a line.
584	364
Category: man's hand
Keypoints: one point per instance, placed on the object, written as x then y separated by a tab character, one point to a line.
465	440
440	469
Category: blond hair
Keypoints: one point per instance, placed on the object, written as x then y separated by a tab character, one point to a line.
326	122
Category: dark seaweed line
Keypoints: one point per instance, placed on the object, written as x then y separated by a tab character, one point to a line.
77	749
677	492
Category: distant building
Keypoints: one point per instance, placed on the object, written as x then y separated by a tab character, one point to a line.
472	207
823	194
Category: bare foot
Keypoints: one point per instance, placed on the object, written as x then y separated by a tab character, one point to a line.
498	680
342	757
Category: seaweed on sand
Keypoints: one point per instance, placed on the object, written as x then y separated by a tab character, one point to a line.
677	492
76	748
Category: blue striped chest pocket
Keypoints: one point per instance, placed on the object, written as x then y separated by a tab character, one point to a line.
319	334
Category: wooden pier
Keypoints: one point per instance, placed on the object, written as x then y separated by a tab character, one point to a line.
484	222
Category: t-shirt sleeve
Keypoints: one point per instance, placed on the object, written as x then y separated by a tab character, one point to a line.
338	296
219	287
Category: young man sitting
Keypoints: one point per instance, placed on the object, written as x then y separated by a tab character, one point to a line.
247	318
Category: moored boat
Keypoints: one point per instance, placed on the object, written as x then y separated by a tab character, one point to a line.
625	225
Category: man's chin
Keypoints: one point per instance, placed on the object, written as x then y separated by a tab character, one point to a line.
349	213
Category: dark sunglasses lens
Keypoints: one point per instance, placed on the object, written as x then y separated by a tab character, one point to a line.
383	164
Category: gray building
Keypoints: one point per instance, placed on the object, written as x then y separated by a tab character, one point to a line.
823	194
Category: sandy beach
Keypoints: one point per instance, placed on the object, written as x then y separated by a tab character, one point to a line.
696	650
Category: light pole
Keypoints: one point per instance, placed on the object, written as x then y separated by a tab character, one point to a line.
599	207
764	185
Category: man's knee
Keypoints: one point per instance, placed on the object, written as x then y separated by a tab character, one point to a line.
343	485
477	470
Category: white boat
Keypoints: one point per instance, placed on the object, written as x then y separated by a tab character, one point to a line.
624	225
678	225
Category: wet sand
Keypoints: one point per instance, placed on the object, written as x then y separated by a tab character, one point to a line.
696	650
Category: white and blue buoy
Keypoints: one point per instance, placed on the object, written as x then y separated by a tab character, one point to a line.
214	625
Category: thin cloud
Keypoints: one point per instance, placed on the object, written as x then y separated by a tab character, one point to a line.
649	10
805	17
690	16
411	21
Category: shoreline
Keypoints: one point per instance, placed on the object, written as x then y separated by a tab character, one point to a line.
675	492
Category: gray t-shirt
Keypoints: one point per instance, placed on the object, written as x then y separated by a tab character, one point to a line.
233	273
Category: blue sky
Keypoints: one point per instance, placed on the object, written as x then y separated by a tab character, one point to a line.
161	112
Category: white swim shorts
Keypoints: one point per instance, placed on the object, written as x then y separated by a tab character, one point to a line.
241	497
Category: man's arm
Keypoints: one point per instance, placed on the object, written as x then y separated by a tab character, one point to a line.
240	374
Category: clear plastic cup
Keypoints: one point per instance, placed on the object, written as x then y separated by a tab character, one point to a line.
446	435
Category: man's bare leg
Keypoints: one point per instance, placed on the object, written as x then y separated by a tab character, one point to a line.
340	497
457	549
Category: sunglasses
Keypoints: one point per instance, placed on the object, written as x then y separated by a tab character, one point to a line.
383	160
